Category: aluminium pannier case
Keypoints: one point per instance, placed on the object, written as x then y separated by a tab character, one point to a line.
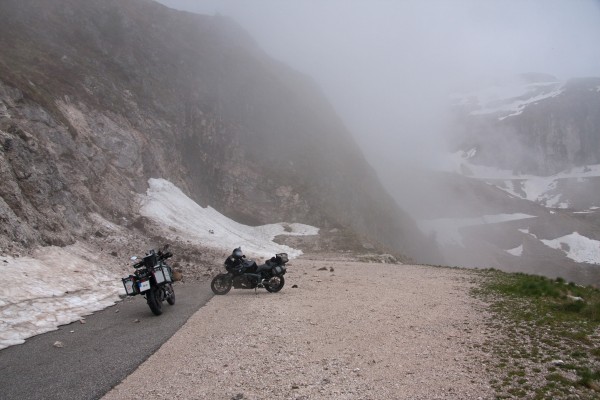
159	275
168	273
131	287
162	274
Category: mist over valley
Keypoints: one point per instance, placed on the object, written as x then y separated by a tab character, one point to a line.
480	119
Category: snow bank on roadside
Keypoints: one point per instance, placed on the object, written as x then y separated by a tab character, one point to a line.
57	286
181	216
54	287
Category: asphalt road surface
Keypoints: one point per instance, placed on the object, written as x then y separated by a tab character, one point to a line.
97	355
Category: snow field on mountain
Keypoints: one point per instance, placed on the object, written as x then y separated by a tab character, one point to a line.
537	189
517	251
508	99
577	247
458	161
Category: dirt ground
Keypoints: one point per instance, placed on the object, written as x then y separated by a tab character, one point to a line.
339	329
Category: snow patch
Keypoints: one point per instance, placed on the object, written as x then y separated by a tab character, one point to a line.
459	161
55	287
517	251
538	189
517	107
577	247
508	99
181	216
471	153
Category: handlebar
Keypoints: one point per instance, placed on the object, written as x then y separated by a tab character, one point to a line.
160	256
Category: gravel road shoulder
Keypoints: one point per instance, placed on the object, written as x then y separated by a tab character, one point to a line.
348	331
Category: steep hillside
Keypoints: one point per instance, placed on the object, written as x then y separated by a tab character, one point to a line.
97	97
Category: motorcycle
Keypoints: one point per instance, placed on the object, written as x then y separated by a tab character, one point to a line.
246	274
153	279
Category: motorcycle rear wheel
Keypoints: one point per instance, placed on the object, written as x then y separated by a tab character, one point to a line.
171	298
154	301
276	288
221	284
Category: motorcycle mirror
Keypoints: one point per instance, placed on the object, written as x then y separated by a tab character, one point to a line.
133	258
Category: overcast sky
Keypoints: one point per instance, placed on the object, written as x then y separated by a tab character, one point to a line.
387	65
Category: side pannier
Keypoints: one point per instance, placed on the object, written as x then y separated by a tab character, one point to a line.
131	287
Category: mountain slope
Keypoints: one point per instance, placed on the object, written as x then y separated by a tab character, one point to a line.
521	192
533	124
97	97
478	224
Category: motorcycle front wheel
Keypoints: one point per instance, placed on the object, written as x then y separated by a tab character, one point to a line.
154	301
221	284
171	297
273	288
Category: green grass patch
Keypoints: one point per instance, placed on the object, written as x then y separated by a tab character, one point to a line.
527	286
550	329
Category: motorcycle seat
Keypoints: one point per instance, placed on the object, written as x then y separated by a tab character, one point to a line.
263	267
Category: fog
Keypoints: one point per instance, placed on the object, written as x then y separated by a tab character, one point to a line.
388	66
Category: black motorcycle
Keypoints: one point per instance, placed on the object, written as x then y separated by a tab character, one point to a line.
152	278
246	274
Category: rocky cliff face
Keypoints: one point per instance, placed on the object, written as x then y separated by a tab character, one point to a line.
98	96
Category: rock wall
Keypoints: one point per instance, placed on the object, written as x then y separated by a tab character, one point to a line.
98	96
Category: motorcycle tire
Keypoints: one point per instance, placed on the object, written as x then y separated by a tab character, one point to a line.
221	284
154	301
276	288
171	298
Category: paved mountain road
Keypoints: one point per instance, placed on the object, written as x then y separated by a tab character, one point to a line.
98	354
